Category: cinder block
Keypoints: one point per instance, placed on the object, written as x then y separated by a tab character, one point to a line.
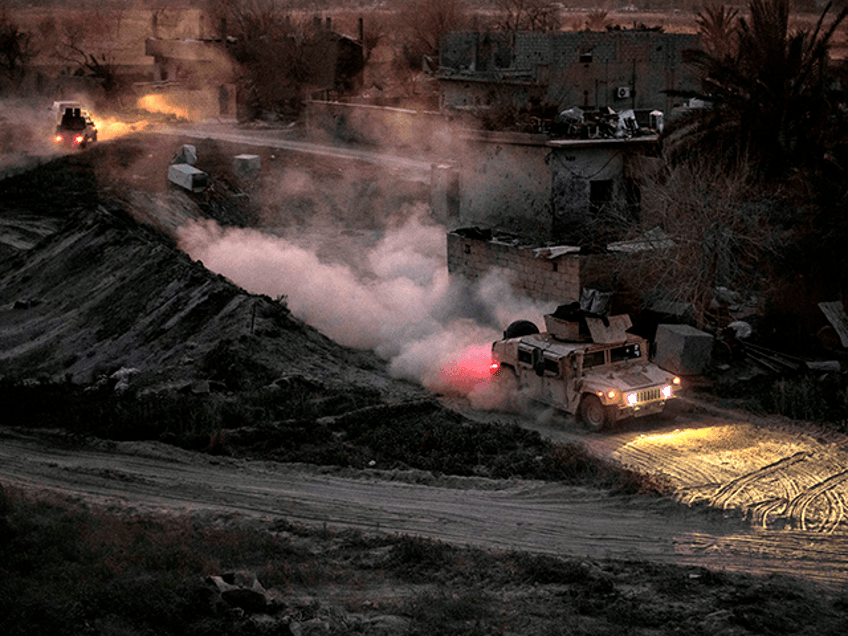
246	166
186	154
682	349
188	177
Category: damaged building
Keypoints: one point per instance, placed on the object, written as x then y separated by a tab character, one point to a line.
537	187
558	273
618	69
200	67
546	209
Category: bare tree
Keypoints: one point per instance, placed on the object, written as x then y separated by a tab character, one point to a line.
527	15
702	228
88	40
597	20
374	32
427	21
278	55
16	47
249	18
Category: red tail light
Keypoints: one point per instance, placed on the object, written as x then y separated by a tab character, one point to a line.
58	139
78	139
494	366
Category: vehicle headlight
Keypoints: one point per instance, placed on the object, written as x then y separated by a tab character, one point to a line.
667	392
632	399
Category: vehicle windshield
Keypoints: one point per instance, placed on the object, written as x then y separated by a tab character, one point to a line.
593	359
627	352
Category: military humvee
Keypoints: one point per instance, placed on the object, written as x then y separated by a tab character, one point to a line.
588	366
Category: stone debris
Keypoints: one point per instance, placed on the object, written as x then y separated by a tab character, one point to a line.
241	594
246	166
122	378
241	589
188	177
186	155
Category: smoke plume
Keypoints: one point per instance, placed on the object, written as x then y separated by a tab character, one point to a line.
397	299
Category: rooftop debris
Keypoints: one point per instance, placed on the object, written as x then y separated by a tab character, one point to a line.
653	239
606	123
650	240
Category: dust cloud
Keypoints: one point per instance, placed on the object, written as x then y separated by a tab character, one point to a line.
397	299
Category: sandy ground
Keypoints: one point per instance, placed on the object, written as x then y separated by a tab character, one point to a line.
525	515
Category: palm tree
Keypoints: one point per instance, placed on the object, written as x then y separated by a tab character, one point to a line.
717	28
773	101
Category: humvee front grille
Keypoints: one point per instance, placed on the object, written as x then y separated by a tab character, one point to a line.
649	395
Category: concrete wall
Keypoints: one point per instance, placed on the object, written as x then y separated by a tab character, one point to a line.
528	185
379	125
506	183
574	167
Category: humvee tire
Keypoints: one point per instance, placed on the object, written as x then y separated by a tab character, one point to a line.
594	415
520	328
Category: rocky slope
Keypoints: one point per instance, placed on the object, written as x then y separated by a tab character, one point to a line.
88	291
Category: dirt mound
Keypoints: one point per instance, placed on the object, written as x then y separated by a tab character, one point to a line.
104	293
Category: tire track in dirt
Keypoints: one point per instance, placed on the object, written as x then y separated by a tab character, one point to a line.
728	494
713	459
834	510
776	476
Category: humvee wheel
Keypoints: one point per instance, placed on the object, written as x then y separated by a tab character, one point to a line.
520	328
594	414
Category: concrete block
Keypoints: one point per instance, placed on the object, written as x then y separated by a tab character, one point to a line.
186	154
188	177
682	349
246	166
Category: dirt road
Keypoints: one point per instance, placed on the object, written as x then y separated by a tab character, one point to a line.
535	516
395	164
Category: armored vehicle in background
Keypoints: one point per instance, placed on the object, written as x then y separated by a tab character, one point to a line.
75	128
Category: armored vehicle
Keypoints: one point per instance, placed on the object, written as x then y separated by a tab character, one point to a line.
591	367
75	129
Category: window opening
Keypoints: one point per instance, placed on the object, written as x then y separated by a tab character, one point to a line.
593	359
627	352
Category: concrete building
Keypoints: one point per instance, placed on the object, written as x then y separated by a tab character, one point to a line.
537	187
619	69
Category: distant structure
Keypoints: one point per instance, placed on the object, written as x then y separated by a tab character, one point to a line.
332	65
619	69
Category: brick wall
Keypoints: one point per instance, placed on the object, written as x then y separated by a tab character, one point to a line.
529	273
